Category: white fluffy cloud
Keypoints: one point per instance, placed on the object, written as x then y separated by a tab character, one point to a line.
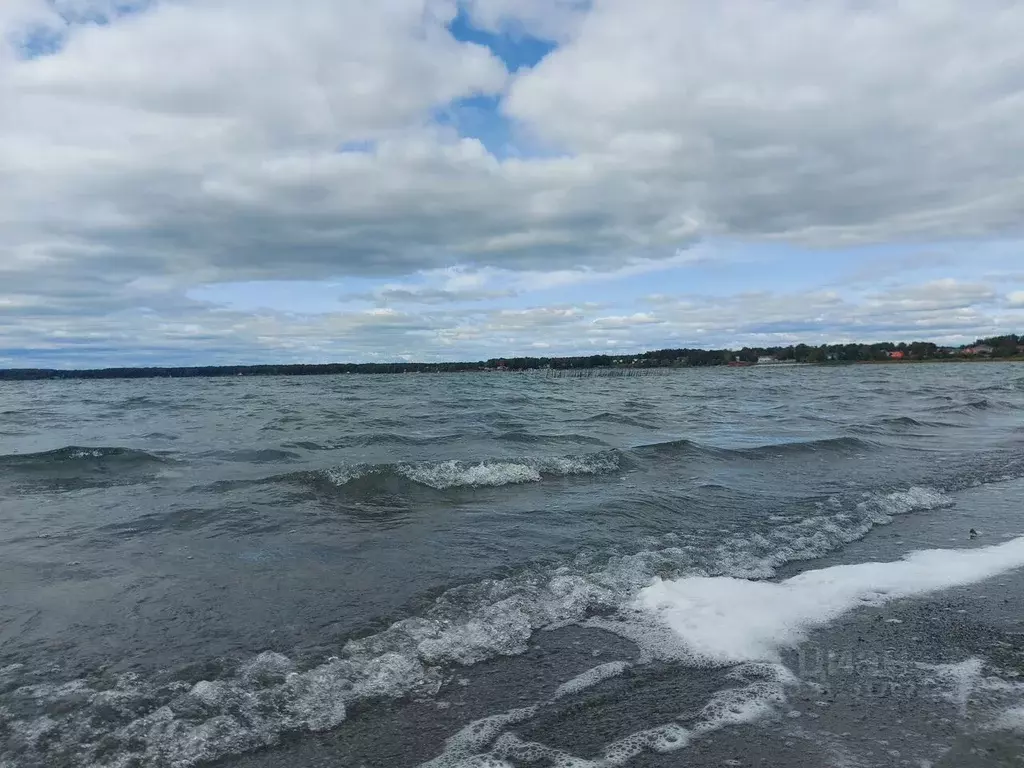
187	142
196	333
555	20
830	121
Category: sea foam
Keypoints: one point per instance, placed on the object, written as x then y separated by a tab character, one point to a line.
590	678
759	689
725	620
490	473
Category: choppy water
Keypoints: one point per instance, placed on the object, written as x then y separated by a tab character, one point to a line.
194	569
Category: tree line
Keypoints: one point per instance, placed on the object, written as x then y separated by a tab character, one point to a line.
1001	346
1007	346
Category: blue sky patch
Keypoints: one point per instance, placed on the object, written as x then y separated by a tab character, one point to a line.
514	47
79	13
41	40
479	117
363	146
38	41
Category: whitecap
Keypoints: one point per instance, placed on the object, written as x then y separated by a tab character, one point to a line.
726	620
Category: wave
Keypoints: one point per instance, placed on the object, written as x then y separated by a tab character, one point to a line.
375	439
608	417
126	720
393	438
677	449
449	474
75	457
829	445
137	400
532	438
972	406
308	445
255	456
903	426
836	445
978	405
902	421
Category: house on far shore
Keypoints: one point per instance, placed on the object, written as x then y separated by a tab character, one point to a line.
979	349
896	354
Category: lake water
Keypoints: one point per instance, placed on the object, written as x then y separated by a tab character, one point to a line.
378	571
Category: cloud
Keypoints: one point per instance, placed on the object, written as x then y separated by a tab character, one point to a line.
945	310
546	19
434	295
148	149
832	122
194	332
201	138
441	286
939	295
627	321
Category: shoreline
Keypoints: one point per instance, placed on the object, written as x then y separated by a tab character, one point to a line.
1015	359
624	371
918	681
885	687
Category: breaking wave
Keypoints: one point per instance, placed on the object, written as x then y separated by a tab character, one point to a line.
743	625
124	720
491	473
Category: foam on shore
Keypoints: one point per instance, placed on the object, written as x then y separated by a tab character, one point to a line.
725	620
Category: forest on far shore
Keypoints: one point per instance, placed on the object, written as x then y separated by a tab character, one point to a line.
997	347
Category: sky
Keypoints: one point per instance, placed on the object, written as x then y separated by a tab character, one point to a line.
255	181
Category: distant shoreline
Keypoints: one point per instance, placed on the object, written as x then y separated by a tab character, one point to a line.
1014	359
336	369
